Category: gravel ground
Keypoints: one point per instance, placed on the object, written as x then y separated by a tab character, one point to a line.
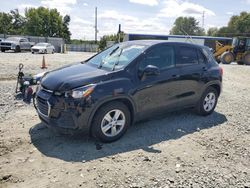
179	149
9	62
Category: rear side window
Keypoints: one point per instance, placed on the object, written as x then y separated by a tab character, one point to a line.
187	56
161	56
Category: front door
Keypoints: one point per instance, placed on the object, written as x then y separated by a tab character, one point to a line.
157	92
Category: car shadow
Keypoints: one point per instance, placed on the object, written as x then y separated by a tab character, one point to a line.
142	135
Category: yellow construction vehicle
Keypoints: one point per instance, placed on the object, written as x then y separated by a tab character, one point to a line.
238	52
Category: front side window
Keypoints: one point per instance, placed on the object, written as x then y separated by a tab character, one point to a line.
161	56
187	56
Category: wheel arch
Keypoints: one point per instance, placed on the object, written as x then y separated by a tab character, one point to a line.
217	87
125	100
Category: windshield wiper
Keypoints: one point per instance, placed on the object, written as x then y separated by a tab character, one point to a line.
102	62
117	63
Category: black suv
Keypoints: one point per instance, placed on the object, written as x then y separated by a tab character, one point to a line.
127	82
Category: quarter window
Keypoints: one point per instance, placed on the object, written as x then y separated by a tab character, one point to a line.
201	57
187	56
160	56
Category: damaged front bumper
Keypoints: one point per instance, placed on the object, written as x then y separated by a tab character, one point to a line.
63	114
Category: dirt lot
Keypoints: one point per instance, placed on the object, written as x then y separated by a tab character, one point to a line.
180	149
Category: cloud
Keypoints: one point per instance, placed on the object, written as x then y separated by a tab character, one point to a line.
114	15
230	13
78	20
175	8
109	20
247	1
80	31
21	8
145	2
63	6
85	4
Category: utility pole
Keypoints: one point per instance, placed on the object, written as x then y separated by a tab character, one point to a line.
119	33
95	24
203	19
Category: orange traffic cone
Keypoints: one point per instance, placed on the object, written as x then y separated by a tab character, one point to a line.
43	64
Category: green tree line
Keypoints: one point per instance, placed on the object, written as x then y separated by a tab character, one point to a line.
36	22
238	25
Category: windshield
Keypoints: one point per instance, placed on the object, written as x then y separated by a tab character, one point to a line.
41	44
12	39
117	56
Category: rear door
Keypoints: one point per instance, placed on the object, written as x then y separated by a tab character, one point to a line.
193	72
24	44
157	92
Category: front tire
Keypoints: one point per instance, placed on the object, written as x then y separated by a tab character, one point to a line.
246	58
207	102
227	58
111	122
2	50
17	49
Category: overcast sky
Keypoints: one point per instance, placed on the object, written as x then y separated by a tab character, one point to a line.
135	16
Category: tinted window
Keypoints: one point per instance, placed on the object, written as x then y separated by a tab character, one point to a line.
160	56
209	55
187	56
201	57
23	40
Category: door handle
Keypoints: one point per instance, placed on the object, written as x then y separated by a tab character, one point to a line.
204	68
176	76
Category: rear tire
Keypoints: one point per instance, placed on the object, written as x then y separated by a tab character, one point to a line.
2	50
227	58
207	102
111	122
240	62
246	59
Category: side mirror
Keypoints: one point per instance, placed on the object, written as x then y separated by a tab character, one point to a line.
150	70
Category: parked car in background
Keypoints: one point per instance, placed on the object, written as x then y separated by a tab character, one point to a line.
1	39
43	48
16	43
126	83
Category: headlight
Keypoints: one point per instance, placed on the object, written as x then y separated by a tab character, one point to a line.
38	87
81	91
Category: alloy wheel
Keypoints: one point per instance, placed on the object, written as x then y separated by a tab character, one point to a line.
113	123
209	102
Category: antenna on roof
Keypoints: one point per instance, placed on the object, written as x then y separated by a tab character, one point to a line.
188	37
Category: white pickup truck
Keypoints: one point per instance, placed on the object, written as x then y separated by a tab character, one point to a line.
15	43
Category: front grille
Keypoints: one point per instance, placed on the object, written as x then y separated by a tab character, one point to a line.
5	44
42	106
35	50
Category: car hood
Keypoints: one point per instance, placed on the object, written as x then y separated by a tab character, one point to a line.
9	41
39	47
73	76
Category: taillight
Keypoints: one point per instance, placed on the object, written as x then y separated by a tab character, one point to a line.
221	71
